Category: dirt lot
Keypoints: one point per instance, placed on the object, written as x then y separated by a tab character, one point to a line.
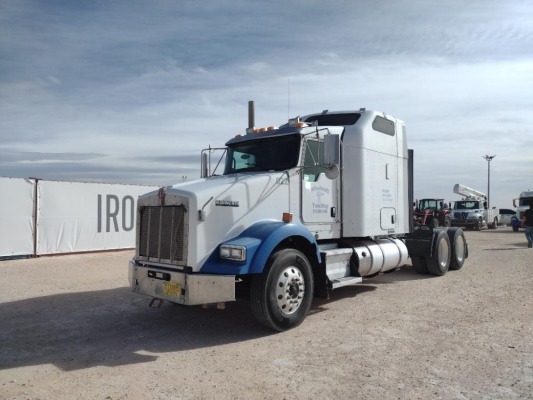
70	328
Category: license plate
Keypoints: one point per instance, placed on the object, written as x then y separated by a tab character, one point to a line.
172	289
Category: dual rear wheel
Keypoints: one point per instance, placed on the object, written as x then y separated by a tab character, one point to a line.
449	251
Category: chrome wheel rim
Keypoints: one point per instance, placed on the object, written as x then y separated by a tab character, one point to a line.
443	253
290	290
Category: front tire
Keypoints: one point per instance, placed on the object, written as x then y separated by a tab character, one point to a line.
281	296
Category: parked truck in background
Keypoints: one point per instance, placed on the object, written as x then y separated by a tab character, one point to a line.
323	201
472	211
522	204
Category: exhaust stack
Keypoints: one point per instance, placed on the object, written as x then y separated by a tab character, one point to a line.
251	114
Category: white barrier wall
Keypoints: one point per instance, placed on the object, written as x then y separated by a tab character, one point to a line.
71	216
75	216
16	217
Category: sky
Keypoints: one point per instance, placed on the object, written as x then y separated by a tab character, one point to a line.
131	91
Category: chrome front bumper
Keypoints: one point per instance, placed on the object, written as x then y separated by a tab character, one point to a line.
179	287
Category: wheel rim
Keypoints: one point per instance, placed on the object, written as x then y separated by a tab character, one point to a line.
290	290
444	250
460	249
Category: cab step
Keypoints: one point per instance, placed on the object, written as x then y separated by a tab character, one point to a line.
346	281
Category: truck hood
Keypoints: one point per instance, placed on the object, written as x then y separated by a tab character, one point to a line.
236	191
219	208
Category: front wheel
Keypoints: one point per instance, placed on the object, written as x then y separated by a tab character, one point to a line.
281	296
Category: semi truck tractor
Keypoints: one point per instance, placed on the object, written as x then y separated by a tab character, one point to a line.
472	211
289	213
521	204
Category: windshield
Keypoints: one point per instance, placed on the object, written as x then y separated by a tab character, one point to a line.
430	205
467	205
269	154
526	201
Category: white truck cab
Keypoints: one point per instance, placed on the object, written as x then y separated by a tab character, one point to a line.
523	202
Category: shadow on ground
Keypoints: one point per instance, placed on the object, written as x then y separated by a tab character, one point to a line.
116	327
110	327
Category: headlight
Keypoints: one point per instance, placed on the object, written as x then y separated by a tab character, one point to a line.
230	252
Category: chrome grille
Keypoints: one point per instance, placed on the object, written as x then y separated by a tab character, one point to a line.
460	215
162	234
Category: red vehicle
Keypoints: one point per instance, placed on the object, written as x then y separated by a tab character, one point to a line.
432	213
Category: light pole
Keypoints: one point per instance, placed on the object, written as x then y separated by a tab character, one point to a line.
489	159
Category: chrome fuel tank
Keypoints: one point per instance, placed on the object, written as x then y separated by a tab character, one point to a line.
380	255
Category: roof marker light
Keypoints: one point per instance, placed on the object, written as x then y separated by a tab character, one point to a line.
294	121
297	123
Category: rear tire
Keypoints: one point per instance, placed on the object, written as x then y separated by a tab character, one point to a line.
419	265
281	296
439	262
459	248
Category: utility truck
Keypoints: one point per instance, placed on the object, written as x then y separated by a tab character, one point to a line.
472	211
522	203
321	202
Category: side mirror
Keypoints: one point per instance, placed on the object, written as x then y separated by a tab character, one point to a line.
331	150
333	172
332	155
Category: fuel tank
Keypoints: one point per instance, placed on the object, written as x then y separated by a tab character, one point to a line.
380	255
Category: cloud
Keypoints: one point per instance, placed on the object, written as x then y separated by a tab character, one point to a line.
32	157
144	87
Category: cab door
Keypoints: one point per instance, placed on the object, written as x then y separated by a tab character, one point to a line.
320	197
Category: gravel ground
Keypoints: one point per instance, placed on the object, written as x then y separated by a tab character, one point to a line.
70	328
